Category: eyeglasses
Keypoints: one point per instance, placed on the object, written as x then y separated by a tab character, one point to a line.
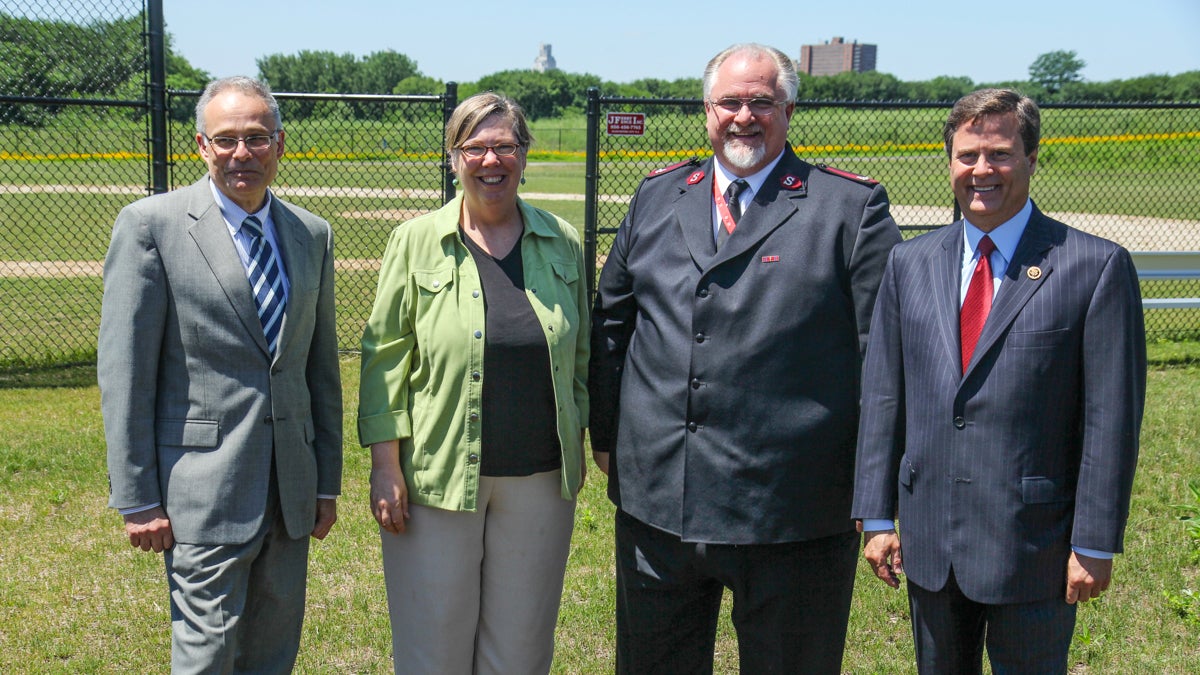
758	105
256	143
478	151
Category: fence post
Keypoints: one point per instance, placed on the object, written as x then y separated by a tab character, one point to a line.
157	97
591	186
449	103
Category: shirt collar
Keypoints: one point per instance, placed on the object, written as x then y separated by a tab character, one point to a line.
1005	237
755	180
234	214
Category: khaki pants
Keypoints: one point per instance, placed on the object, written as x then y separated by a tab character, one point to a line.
479	592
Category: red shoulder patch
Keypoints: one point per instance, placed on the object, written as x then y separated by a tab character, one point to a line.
668	169
865	180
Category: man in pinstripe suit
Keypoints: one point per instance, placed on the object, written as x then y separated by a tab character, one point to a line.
1008	460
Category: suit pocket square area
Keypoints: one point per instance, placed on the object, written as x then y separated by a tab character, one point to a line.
1042	490
187	433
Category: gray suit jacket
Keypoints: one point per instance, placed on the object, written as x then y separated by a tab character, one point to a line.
725	383
999	471
195	409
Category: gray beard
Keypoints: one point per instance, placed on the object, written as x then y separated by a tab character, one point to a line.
743	156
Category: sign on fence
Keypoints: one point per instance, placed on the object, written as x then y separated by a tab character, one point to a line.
626	124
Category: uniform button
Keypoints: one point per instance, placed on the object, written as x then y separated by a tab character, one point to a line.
268	420
475	376
692	426
704	292
474	417
472	458
695	383
475	294
533	290
699	338
960	423
437	284
478	334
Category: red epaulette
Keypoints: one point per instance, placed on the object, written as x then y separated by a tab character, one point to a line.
865	180
668	169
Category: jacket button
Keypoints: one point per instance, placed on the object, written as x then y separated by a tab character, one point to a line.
475	294
475	376
699	338
692	426
695	383
960	423
472	458
268	420
478	334
703	292
474	417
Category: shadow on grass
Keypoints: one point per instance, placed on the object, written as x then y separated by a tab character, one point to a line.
71	375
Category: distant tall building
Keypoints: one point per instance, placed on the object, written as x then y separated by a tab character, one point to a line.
544	60
836	56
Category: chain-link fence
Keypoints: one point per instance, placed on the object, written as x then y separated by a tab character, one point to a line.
1125	172
73	151
87	126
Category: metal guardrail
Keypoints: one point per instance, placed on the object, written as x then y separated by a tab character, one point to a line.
1168	265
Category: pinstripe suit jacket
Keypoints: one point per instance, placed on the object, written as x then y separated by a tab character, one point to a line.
195	407
998	471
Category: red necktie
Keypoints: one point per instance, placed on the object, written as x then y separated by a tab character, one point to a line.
978	303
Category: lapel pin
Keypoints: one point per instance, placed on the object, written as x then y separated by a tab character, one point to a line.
790	182
1034	273
770	258
696	177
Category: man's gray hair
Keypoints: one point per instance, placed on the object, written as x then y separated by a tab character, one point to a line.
243	84
784	67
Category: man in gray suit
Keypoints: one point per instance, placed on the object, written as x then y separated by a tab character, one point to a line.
220	390
724	384
1003	394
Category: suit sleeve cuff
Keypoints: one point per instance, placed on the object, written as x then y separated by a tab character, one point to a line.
1092	553
138	509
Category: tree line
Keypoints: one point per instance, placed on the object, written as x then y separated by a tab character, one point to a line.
49	58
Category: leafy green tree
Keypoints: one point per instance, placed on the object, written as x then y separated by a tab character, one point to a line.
47	58
1053	70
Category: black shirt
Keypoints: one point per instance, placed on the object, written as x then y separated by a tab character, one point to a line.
519	434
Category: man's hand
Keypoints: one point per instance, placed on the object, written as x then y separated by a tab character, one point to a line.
150	530
1087	577
882	551
601	459
326	517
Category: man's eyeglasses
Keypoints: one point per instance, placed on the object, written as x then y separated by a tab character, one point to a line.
758	106
477	151
253	143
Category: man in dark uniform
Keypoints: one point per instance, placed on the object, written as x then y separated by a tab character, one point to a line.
726	349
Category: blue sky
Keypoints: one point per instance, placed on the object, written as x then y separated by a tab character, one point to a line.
623	40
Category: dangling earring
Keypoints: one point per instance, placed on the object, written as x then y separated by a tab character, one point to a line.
522	179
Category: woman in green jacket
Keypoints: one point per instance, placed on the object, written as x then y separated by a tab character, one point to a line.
473	400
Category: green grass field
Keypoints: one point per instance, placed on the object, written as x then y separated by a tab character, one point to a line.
75	598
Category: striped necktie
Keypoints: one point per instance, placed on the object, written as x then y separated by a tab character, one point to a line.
266	281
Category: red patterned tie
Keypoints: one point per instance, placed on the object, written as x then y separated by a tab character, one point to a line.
978	303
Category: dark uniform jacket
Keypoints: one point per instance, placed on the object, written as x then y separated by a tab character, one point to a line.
726	384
